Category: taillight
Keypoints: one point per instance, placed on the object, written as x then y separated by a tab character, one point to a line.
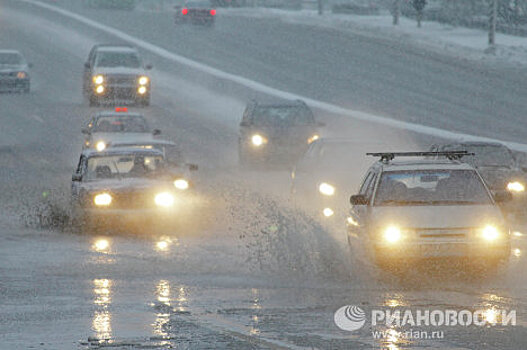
184	11
213	12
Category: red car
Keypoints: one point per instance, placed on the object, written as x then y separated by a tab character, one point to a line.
195	12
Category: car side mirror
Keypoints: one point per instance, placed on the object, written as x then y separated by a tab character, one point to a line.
156	132
192	167
85	130
76	177
358	199
87	65
502	196
149	66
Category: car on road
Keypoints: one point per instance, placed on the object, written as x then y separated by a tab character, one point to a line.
127	184
276	133
323	177
119	126
498	167
14	72
195	12
409	211
116	74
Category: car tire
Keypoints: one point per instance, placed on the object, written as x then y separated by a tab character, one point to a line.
143	102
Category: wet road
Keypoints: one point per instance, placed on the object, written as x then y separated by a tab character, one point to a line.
250	272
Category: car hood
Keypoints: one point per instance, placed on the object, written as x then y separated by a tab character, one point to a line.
125	185
446	216
286	132
119	70
109	137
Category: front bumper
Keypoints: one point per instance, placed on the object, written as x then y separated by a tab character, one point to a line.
443	250
13	84
121	93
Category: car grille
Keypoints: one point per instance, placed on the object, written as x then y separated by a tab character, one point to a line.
435	233
8	75
122	79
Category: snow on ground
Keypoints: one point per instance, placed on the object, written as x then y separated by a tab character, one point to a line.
457	41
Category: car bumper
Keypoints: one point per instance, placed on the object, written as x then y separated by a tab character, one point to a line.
442	250
13	84
121	93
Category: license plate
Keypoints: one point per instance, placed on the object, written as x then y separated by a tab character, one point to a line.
442	250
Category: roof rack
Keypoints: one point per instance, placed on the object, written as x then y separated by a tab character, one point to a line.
452	155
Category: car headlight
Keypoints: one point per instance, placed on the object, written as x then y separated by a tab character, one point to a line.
21	75
326	189
490	233
100	146
313	138
141	90
258	140
515	186
143	80
181	184
328	212
99	89
102	199
98	79
392	234
164	199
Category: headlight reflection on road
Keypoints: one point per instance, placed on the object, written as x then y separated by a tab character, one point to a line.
164	199
256	307
162	317
164	244
101	245
102	318
517	252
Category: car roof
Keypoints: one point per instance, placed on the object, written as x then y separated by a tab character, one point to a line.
476	143
143	142
116	48
116	151
424	164
277	102
10	51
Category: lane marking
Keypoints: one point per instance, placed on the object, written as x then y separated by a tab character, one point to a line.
259	87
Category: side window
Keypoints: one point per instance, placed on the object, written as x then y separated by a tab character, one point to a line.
80	165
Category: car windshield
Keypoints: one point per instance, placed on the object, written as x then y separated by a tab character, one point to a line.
132	165
121	124
492	156
282	116
118	59
171	153
431	187
10	59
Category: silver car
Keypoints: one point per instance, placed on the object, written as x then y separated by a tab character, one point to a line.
424	209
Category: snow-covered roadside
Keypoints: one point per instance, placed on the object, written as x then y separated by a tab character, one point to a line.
463	43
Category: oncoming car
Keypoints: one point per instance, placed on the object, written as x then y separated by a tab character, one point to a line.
195	12
276	133
127	183
14	72
116	73
117	127
413	210
322	178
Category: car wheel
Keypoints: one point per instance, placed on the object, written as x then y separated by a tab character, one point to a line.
144	102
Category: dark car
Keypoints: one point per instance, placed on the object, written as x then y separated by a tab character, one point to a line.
195	12
498	167
324	176
276	133
116	74
14	72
